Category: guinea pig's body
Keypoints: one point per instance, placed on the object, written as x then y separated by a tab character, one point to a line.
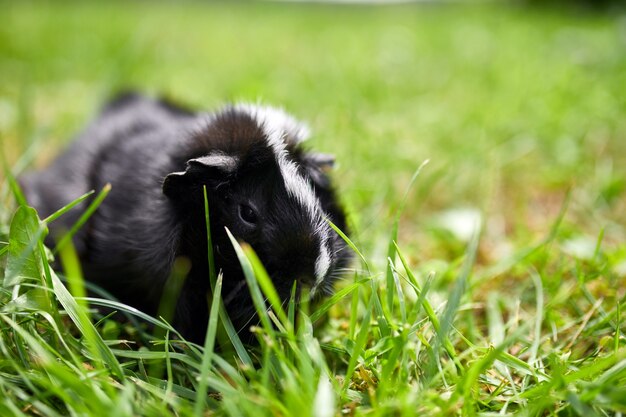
260	184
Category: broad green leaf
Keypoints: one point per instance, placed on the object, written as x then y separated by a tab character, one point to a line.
24	260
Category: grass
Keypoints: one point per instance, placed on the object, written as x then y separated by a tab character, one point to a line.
494	286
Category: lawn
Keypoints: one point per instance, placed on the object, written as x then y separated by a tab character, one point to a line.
492	284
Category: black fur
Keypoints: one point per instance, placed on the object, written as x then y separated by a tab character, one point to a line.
158	157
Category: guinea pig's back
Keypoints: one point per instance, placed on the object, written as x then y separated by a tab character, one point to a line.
73	173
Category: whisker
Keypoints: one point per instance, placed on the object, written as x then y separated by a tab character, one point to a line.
254	314
231	295
245	325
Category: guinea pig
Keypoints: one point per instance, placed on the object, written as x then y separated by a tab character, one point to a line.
261	184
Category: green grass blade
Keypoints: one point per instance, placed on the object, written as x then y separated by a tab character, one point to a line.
67	208
349	243
266	284
83	218
253	286
209	344
618	326
454	301
235	340
354	308
398	290
430	312
15	187
171	292
539	315
207	222
359	344
391	247
293	299
338	296
80	318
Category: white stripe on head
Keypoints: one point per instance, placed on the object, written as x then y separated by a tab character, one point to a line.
279	128
276	122
322	264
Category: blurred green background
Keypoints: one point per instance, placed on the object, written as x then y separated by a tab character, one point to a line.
514	106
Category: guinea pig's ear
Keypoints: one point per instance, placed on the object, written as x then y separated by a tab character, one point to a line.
317	166
323	161
199	170
219	163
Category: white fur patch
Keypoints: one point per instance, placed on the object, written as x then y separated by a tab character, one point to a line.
322	264
276	121
280	128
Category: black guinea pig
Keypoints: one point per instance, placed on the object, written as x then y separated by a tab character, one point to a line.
261	184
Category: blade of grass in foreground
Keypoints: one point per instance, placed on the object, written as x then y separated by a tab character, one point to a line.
210	258
326	305
618	325
171	292
253	287
234	338
40	350
539	315
83	218
381	315
359	343
231	333
67	208
354	309
391	249
430	312
115	305
398	290
13	185
454	301
350	244
267	286
209	344
472	374
291	309
101	352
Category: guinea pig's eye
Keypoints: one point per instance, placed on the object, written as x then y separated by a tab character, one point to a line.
247	214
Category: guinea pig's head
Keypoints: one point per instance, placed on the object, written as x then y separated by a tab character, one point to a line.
269	193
